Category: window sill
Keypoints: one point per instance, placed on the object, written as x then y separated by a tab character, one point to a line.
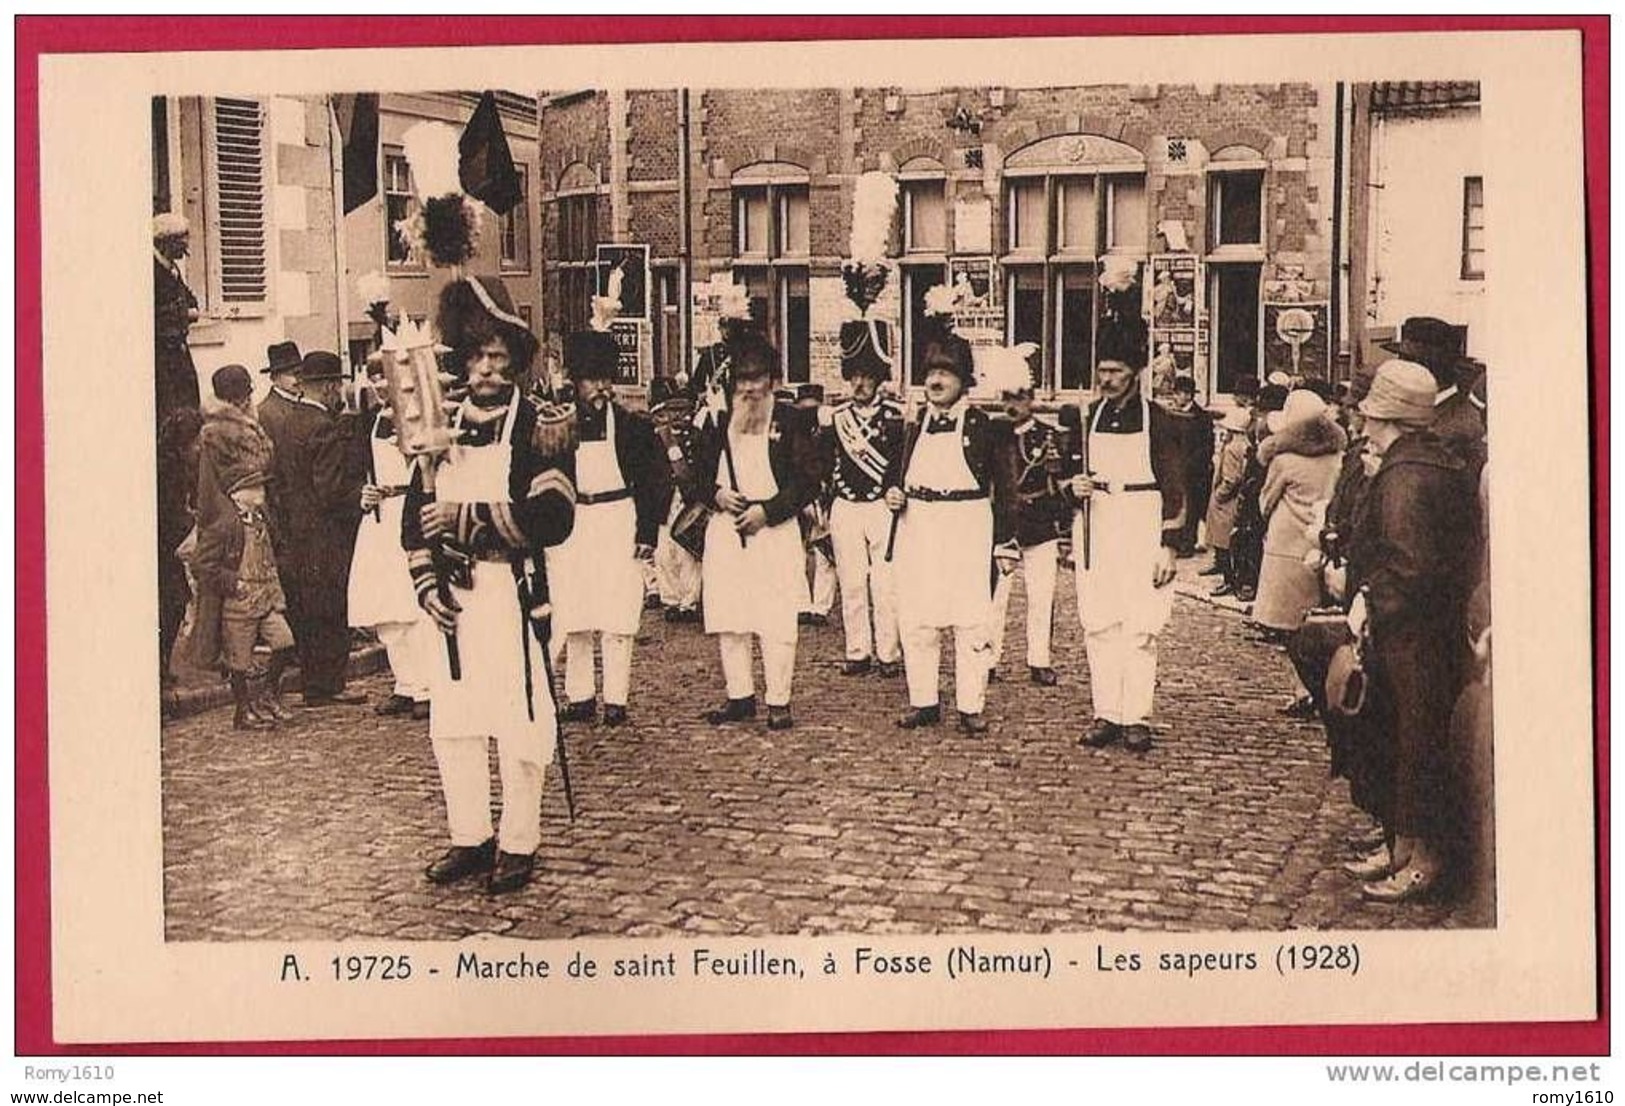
407	273
924	257
1236	253
1022	259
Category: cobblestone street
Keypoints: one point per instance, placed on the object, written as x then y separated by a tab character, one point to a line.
842	824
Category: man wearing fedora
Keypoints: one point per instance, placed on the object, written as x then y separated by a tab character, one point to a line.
956	522
864	452
316	503
623	491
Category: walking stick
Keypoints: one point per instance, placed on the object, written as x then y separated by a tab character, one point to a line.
733	477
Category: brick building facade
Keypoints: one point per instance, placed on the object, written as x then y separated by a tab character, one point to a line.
1213	204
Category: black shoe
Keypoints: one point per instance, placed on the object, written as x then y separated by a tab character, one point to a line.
510	873
993	676
974	725
462	861
1044	677
395	704
1137	739
584	711
1301	708
1222	590
920	716
1101	734
614	714
857	668
1246	595
246	717
889	670
336	699
1211	570
778	718
734	710
420	711
682	614
651	602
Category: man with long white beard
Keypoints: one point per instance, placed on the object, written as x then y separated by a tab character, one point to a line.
755	463
623	488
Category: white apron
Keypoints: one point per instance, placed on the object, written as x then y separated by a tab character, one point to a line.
490	697
944	549
595	581
757	588
380	585
1125	531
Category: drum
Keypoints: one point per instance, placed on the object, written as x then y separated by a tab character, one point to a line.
688	528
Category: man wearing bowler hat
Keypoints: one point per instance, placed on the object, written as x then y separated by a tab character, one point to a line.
623	491
864	450
316	504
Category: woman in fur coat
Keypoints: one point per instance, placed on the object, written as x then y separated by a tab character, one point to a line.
1301	456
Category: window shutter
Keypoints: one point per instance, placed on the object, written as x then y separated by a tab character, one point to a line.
240	203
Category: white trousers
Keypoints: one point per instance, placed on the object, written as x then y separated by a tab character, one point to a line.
1122	673
409	646
859	532
677	571
465	779
616	652
778	666
922	661
821	598
1038	567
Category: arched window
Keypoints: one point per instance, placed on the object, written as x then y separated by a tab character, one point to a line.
1070	201
575	204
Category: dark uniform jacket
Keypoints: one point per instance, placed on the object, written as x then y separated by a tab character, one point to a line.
991	460
642	462
539	511
172	305
1041	512
792	451
883	427
314	494
1167	454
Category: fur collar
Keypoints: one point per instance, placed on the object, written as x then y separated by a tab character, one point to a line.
1317	437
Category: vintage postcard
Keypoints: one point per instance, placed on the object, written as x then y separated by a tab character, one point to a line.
834	536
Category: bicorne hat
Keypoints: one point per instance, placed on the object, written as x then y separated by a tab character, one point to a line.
866	348
941	348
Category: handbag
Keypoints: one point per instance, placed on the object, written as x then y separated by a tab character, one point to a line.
1346	680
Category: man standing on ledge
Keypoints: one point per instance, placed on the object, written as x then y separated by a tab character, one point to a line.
1131	499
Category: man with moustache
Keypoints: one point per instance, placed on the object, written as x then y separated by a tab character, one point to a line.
865	443
757	464
955	520
1131	496
623	491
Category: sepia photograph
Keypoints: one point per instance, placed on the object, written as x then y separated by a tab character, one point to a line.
729	521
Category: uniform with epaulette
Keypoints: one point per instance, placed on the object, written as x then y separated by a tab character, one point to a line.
1040	513
809	397
677	566
864	451
503	495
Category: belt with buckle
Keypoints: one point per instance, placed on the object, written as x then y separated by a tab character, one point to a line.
935	495
587	499
1116	489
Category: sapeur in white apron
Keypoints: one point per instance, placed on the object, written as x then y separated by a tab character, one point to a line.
1125	531
594	579
757	587
944	548
380	583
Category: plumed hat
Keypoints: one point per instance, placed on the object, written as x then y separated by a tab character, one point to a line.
476	309
866	349
941	348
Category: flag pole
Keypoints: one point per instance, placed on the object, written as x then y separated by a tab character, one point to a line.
341	307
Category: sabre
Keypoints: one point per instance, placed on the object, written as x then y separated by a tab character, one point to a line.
412	377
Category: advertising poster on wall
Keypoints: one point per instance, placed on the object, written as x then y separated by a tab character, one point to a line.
632	262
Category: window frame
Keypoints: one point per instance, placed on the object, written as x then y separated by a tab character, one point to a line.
780	264
388	155
510	225
1218	175
1468	272
911	185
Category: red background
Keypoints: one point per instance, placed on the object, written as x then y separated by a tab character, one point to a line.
52	35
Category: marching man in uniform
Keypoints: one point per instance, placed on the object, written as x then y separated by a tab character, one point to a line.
954	519
1131	500
1039	511
866	440
503	494
623	489
758	465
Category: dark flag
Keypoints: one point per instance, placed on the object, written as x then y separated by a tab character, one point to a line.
486	168
357	115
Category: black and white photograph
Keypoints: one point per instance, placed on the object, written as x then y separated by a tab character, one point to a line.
580	515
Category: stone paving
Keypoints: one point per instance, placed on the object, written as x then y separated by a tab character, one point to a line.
842	824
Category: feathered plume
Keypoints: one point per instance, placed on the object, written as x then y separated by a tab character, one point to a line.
446	227
1007	368
874	206
734	302
608	305
1119	274
939	300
